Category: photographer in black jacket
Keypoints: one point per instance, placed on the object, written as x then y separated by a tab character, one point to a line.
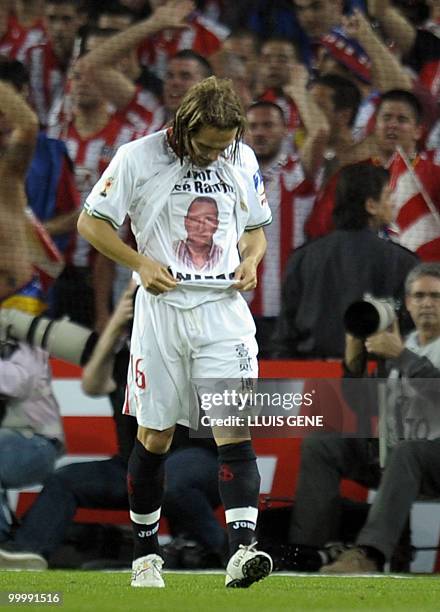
326	275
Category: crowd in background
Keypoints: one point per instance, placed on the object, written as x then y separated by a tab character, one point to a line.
311	73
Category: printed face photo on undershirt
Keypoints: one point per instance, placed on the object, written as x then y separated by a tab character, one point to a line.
196	231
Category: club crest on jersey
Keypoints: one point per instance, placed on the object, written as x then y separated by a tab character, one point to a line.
107	186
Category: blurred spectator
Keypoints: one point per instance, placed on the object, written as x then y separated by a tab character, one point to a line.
28	258
415	175
30	15
200	34
31	434
339	100
50	188
289	194
276	61
121	82
378	71
92	136
411	408
115	65
328	63
317	17
48	63
314	296
184	70
230	66
25	27
244	45
386	70
419	47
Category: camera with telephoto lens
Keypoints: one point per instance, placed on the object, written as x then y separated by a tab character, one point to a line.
60	338
370	316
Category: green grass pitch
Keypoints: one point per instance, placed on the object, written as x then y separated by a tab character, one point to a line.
110	592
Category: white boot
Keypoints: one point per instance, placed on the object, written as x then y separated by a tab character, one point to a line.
247	566
147	572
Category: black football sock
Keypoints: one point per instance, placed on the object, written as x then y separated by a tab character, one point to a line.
239	486
145	483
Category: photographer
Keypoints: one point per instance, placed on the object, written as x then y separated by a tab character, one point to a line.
92	484
31	433
414	465
326	275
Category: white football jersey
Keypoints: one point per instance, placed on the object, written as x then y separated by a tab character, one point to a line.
195	215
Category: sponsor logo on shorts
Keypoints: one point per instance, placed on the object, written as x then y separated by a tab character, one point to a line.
245	362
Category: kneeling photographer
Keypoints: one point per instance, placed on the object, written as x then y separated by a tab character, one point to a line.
31	433
413	465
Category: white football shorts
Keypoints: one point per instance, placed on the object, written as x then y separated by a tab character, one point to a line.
170	347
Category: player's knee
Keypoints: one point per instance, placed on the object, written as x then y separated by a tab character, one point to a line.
155	441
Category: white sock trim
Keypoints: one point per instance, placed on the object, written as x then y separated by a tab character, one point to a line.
145	519
247	513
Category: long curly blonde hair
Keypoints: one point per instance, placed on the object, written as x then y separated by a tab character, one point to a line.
210	103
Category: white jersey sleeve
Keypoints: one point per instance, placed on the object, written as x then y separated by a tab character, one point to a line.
110	198
259	211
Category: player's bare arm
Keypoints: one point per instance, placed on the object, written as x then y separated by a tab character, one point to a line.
252	247
155	276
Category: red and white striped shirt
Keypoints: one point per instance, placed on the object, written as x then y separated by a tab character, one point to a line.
91	156
47	79
202	36
287	105
419	231
18	39
144	112
291	197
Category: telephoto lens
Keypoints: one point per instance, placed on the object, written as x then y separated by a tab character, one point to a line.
60	338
